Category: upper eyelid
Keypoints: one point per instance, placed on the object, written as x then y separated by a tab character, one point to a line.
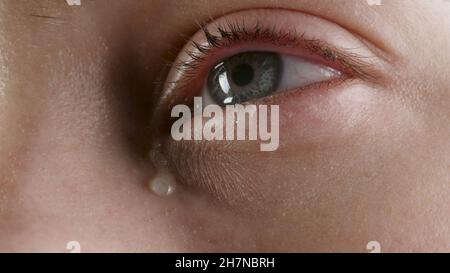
355	55
234	32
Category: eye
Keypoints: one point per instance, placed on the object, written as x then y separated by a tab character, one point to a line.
238	61
267	57
251	75
259	55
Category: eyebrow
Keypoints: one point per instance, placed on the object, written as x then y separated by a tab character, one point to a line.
45	10
44	16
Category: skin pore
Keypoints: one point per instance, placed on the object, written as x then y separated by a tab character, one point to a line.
358	162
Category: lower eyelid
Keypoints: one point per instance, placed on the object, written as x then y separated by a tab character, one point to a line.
306	118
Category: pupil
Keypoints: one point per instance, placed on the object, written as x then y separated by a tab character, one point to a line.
242	74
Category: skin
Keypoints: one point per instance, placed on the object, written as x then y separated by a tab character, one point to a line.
77	88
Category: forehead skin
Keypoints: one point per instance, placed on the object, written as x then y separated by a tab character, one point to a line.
72	78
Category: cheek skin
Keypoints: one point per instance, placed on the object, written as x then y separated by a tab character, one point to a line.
346	173
313	124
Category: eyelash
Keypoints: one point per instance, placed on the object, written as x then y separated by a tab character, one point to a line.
233	33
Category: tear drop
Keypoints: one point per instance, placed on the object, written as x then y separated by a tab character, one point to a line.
163	183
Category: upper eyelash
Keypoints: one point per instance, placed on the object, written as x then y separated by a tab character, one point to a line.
230	33
233	32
